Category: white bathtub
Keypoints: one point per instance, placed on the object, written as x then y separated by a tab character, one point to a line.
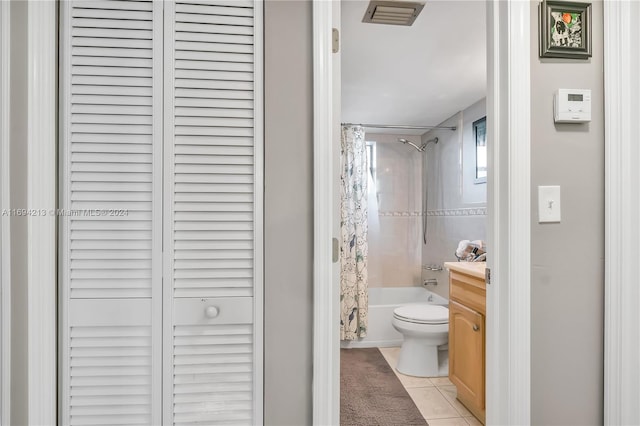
382	302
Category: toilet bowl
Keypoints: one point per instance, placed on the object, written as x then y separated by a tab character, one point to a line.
424	327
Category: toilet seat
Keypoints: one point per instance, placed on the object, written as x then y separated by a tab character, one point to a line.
422	313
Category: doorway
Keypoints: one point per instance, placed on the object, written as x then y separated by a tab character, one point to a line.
426	204
508	207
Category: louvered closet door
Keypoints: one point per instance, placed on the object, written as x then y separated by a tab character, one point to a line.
213	209
161	155
111	195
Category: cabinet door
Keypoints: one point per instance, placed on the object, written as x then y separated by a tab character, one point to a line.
466	353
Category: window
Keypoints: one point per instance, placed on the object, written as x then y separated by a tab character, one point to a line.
480	135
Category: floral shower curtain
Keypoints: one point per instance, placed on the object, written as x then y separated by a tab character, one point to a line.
354	303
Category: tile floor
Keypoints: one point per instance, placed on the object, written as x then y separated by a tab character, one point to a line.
435	397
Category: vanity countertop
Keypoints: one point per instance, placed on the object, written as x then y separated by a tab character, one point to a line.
475	269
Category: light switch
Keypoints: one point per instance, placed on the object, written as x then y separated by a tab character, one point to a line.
548	204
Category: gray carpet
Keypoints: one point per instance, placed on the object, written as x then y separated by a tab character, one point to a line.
371	394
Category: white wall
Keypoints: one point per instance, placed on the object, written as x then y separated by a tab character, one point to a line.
456	205
288	276
18	147
567	296
394	233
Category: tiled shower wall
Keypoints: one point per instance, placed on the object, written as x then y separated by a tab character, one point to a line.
456	205
394	239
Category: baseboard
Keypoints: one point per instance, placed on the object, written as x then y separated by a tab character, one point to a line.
348	344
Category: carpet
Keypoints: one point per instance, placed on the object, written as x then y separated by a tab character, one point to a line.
371	394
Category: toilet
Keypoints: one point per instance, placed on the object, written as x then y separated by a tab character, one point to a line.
424	327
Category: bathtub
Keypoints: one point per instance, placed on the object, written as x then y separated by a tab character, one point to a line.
382	302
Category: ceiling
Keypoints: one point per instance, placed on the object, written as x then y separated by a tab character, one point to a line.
417	75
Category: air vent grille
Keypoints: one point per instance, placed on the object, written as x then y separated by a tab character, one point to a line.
392	12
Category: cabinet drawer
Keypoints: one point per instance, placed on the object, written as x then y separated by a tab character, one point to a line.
468	291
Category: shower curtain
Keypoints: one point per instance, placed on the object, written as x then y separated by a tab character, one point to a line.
353	245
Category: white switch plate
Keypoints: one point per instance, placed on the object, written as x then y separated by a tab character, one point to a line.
548	204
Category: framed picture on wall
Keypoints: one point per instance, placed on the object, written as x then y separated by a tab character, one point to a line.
565	29
480	136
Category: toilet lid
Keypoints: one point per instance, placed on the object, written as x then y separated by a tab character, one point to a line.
423	313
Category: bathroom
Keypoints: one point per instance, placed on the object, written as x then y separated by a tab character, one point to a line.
424	136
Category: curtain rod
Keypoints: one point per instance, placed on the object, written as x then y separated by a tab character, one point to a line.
389	126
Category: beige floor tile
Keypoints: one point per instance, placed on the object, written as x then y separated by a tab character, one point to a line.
432	404
435	397
472	421
413	382
391	355
449	392
441	381
456	421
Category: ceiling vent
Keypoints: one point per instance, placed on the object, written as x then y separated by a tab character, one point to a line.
392	12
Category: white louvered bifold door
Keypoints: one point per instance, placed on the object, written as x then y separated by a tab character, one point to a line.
213	213
111	223
161	171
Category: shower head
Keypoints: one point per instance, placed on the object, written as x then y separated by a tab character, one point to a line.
408	142
420	148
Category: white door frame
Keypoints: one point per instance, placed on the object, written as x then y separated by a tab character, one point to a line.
5	222
42	52
508	363
326	347
508	296
622	213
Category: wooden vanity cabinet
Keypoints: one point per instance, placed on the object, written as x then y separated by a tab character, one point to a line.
467	310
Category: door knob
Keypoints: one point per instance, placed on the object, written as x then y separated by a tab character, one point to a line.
475	327
211	312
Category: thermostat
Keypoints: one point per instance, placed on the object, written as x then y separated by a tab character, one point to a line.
572	106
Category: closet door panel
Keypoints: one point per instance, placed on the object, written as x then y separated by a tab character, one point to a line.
213	350
110	218
110	362
110	148
209	139
213	213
